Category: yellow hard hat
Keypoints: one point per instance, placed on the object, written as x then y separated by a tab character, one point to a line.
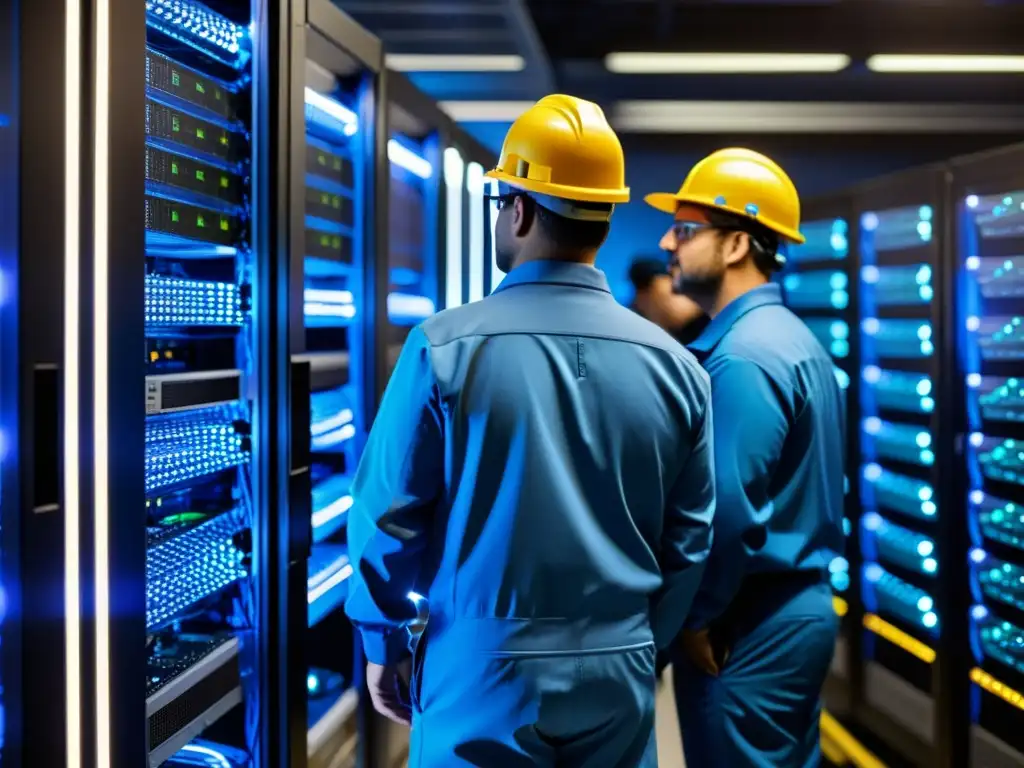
562	147
741	182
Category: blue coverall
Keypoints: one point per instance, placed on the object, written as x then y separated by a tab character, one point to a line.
779	449
541	470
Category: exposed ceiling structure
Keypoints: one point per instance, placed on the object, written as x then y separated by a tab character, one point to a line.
705	66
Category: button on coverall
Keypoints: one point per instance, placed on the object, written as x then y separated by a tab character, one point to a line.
540	469
779	447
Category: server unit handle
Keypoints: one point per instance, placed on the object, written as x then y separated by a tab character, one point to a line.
46	439
300	485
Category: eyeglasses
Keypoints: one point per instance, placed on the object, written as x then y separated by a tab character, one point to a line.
685	231
500	201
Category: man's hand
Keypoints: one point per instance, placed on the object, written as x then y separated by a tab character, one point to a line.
700	651
389	690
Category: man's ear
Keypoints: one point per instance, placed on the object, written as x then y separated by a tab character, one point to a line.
520	221
737	246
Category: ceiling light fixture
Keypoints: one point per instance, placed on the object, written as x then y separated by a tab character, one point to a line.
485	111
944	63
416	62
804	117
724	63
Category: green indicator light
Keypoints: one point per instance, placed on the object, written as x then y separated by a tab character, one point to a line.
200	176
321	159
325	241
200	88
175	124
175	79
225	182
174	216
336	243
200	133
200	221
336	202
224	224
224	139
174	168
325	199
216	94
337	164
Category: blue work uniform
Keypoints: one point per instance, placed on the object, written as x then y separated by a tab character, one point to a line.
779	450
541	470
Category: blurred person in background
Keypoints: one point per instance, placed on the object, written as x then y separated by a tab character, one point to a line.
540	470
654	299
749	667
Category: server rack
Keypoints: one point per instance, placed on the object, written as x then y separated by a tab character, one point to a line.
986	366
818	284
423	168
906	693
467	225
180	271
339	286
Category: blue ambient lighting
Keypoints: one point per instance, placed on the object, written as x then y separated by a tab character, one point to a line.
403	157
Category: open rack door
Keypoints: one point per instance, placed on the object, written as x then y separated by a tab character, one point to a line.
41	623
338	300
819	283
987	316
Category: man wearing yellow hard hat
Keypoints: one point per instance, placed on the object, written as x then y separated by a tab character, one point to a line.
757	646
540	470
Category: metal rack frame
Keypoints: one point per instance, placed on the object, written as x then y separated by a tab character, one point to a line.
344	36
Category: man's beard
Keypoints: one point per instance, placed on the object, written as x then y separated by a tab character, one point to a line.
697	287
504	259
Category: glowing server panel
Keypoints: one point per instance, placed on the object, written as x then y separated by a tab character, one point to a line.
202	386
897	421
422	170
990	345
817	286
338	214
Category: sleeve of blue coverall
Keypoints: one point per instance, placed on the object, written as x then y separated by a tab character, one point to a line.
395	492
750	428
686	536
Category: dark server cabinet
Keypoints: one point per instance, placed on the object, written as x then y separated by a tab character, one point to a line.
185	406
425	176
819	282
338	298
906	440
986	371
472	225
41	148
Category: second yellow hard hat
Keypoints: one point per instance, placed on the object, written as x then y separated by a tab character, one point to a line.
563	147
741	182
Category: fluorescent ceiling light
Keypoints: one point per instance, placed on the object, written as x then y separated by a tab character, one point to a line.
485	111
416	62
944	64
723	63
813	117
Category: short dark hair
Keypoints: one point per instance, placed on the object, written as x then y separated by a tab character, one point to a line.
644	270
568	234
764	244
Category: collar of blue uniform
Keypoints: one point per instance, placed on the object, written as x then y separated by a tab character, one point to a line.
770	293
557	272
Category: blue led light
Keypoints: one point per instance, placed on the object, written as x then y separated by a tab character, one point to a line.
197	26
332	419
822	289
891	543
900	442
907	495
192	566
403	157
331	502
895	597
404	308
326	586
191	445
172	301
899	338
329	114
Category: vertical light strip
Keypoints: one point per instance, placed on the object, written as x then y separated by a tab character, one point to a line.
101	384
454	168
72	280
496	274
475	187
